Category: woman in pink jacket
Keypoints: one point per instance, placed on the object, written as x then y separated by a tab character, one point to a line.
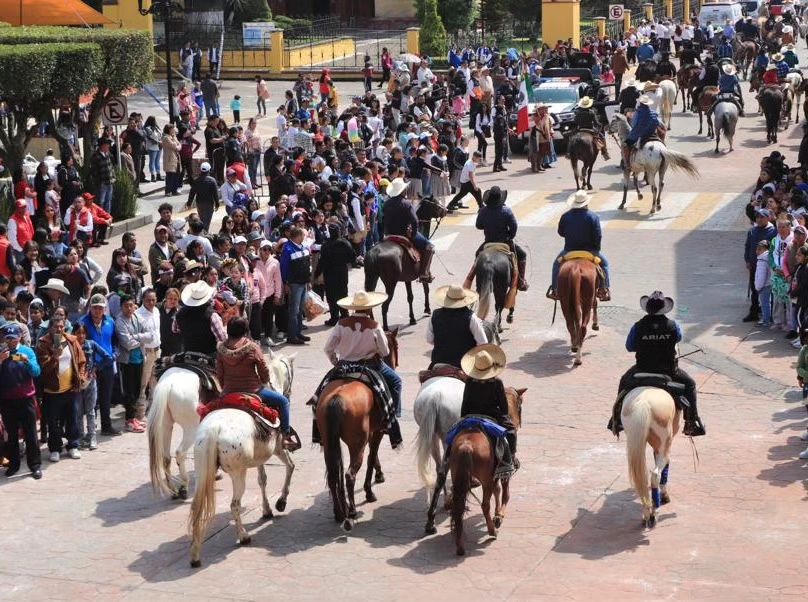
272	298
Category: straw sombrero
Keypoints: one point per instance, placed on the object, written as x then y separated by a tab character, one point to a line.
362	300
578	199
397	187
585	102
729	69
645	100
197	294
455	297
483	362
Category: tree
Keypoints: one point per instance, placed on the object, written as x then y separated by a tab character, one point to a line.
126	62
255	10
433	34
35	78
456	15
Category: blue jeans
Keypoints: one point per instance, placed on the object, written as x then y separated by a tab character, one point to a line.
765	297
279	402
393	381
604	263
105	197
154	161
252	167
419	241
297	299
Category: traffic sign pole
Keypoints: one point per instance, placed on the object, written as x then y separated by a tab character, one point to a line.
118	145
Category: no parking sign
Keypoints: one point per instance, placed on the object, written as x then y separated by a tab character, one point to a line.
615	12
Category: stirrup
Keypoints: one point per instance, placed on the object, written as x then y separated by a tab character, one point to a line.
604	294
522	285
426	278
291	441
552	294
693	428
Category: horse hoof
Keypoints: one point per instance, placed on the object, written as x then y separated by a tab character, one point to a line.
716	151
577	362
622	207
347	525
195	564
183	493
379	478
461	552
595	326
412	321
267	516
370	497
498	521
650	522
219	475
352	514
280	505
246	541
427	312
639	196
664	499
492	533
430	529
573	350
508	319
175	496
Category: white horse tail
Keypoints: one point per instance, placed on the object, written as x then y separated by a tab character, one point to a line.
203	507
426	433
680	161
637	424
157	452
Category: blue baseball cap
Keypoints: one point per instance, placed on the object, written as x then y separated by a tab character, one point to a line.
11	331
762	213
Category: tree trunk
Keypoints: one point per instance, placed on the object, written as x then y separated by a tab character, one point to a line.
15	137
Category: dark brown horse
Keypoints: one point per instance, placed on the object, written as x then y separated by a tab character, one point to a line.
347	411
472	457
581	147
771	101
703	104
577	294
685	79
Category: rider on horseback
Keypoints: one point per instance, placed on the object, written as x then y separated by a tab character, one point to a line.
644	125
400	219
724	50
454	328
498	223
653	340
580	229
688	56
665	68
708	77
241	368
729	90
587	119
195	319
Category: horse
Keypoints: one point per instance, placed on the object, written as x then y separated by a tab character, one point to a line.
771	101
653	158
347	411
703	104
685	78
494	273
577	294
796	88
229	439
668	92
649	416
472	457
175	400
392	263
744	53
646	71
581	147
725	117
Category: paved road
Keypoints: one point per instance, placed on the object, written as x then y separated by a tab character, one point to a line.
733	530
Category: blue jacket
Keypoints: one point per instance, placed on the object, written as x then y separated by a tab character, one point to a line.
17	376
295	263
727	83
645	52
761	61
580	229
644	124
631	339
498	223
105	337
724	51
753	237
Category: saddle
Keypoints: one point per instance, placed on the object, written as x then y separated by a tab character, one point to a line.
708	93
406	244
725	97
496	434
585	256
503	247
204	366
659	381
266	419
441	370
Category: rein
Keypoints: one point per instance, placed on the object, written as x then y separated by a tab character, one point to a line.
555	310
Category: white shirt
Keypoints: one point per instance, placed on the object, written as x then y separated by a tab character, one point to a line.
280	122
11	233
468	169
687	32
356	344
88	227
186	240
228	191
475	326
150	322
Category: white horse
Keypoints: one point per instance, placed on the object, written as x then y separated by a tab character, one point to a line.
228	438
725	118
668	92
653	159
649	417
795	83
175	401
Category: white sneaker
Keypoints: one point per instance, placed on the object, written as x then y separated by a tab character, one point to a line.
54	457
804	454
74	454
796	344
804	435
94	442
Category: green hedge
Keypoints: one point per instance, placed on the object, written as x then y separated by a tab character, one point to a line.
29	72
284	22
124	196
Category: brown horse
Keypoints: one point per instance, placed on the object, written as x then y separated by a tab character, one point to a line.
347	411
703	104
685	79
577	293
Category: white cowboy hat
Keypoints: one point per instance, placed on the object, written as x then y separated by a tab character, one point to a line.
786	48
455	297
787	29
629	81
483	362
729	69
362	300
541	105
578	199
771	67
656	303
778	18
56	284
585	102
397	187
645	100
197	294
777	57
650	87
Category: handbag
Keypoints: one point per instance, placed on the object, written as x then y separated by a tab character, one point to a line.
486	131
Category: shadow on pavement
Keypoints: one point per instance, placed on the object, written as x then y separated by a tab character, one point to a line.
554	356
136	505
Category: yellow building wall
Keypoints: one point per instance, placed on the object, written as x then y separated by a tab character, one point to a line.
125	15
395	9
561	20
315	54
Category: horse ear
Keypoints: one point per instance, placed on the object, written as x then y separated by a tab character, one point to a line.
521	392
291	358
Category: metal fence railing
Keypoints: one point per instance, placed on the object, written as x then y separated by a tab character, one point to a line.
345	49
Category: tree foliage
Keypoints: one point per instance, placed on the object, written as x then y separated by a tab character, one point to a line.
456	15
433	34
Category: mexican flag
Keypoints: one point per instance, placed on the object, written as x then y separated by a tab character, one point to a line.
523	116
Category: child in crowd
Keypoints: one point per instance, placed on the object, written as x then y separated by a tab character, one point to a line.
763	283
235	106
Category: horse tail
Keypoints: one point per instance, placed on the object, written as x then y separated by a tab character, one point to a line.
426	433
636	425
667	101
461	485
680	161
334	469
371	273
485	286
203	506
572	302
156	420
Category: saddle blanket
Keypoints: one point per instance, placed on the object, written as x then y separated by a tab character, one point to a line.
204	366
406	243
266	419
441	370
502	450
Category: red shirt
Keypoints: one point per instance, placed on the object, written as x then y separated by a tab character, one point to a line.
770	78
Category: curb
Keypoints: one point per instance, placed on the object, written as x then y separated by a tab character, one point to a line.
133	223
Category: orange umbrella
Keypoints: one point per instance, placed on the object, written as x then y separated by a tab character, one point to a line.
50	12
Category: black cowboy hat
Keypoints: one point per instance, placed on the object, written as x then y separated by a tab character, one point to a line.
495	196
656	303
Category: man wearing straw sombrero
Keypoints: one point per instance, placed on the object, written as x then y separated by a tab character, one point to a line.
729	90
454	328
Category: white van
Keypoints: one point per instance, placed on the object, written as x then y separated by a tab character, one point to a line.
718	12
752	8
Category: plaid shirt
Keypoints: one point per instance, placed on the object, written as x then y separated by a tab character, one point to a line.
782	69
102	168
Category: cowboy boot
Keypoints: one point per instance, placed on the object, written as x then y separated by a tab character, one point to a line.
603	149
551	293
604	294
693	425
522	265
424	274
615	422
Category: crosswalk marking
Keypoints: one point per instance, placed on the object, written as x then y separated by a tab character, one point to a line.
722	211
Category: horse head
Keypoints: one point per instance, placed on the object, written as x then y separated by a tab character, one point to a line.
392	342
282	373
429	208
619	125
515	399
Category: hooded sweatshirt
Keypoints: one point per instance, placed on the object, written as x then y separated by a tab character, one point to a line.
240	366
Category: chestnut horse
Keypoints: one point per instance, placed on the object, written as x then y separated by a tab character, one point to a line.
347	411
577	293
472	457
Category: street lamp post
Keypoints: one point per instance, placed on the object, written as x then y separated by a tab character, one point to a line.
164	9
